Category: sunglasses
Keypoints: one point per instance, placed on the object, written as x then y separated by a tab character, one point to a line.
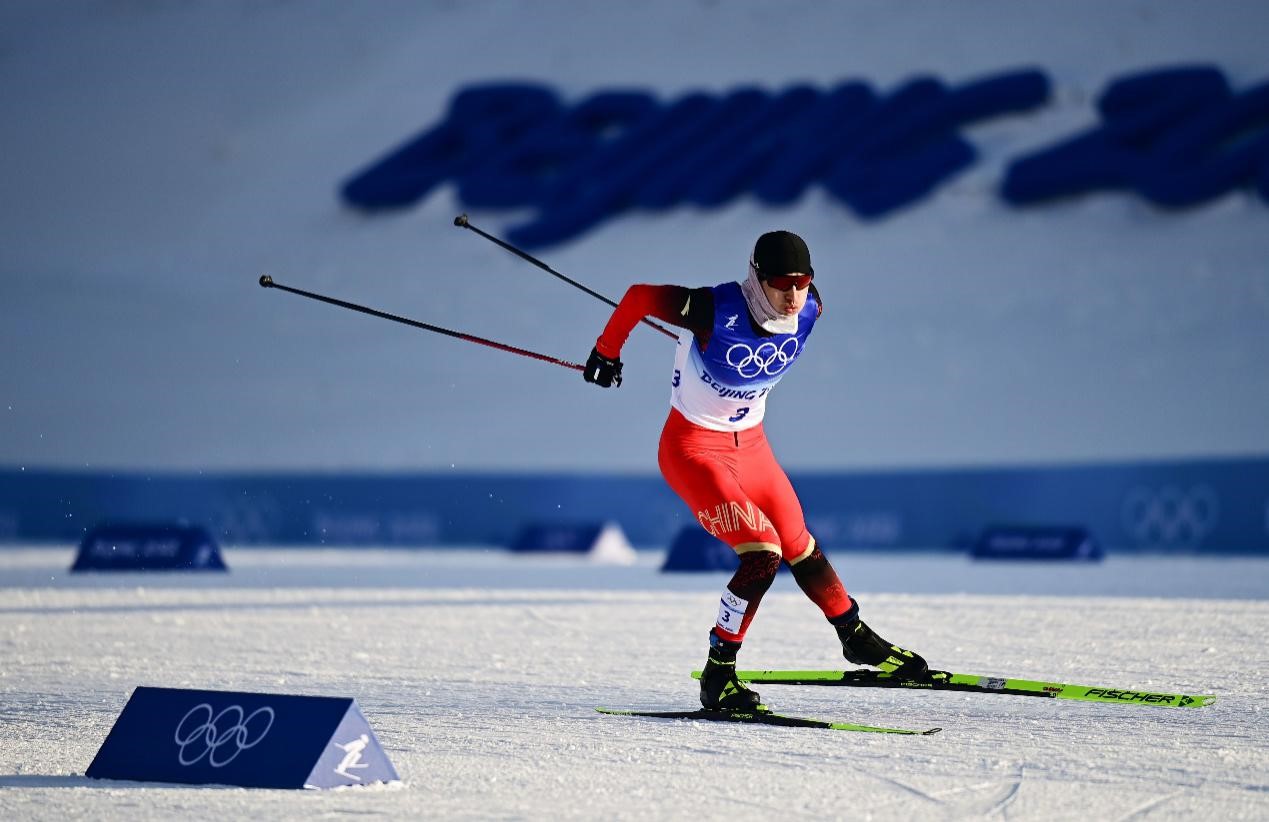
783	282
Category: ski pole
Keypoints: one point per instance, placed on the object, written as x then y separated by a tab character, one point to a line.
462	222
267	282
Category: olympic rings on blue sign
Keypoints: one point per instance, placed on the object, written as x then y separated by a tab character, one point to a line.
1170	516
768	358
231	729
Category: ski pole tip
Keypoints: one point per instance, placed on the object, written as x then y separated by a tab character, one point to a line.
461	221
266	281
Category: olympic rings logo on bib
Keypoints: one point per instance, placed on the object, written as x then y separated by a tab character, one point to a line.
768	358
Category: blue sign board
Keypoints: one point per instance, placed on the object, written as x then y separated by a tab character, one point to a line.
148	547
599	541
557	537
695	549
1036	542
250	740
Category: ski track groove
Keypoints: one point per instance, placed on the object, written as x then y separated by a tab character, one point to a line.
917	792
1149	805
773	811
1001	807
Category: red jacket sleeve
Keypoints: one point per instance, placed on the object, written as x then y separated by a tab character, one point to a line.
665	302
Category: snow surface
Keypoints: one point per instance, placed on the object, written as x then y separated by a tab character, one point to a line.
479	673
160	156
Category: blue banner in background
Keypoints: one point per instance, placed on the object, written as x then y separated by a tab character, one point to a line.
1177	136
1209	506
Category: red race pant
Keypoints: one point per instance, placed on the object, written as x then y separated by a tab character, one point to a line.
734	487
740	494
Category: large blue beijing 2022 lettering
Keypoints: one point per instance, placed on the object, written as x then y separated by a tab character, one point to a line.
1176	136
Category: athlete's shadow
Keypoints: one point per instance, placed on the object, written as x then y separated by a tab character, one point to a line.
31	780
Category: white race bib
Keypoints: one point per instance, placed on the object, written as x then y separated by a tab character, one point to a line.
731	612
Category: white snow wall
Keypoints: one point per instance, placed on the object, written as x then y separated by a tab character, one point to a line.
158	157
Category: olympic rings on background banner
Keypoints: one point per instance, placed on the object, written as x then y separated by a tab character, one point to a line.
1170	516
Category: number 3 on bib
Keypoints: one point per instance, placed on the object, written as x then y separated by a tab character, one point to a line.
740	414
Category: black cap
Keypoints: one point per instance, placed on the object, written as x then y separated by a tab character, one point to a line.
781	252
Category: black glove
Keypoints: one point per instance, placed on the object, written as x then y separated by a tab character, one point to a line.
602	371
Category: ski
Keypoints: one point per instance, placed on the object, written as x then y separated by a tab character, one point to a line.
764	716
946	681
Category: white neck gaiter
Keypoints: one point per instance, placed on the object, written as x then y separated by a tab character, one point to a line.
764	313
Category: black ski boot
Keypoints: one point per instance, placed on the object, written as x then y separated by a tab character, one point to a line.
720	690
862	646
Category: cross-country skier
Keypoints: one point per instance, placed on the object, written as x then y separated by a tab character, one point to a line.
742	337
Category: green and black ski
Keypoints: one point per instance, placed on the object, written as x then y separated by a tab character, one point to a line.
946	681
764	716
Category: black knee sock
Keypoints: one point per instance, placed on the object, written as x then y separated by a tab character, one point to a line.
740	601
